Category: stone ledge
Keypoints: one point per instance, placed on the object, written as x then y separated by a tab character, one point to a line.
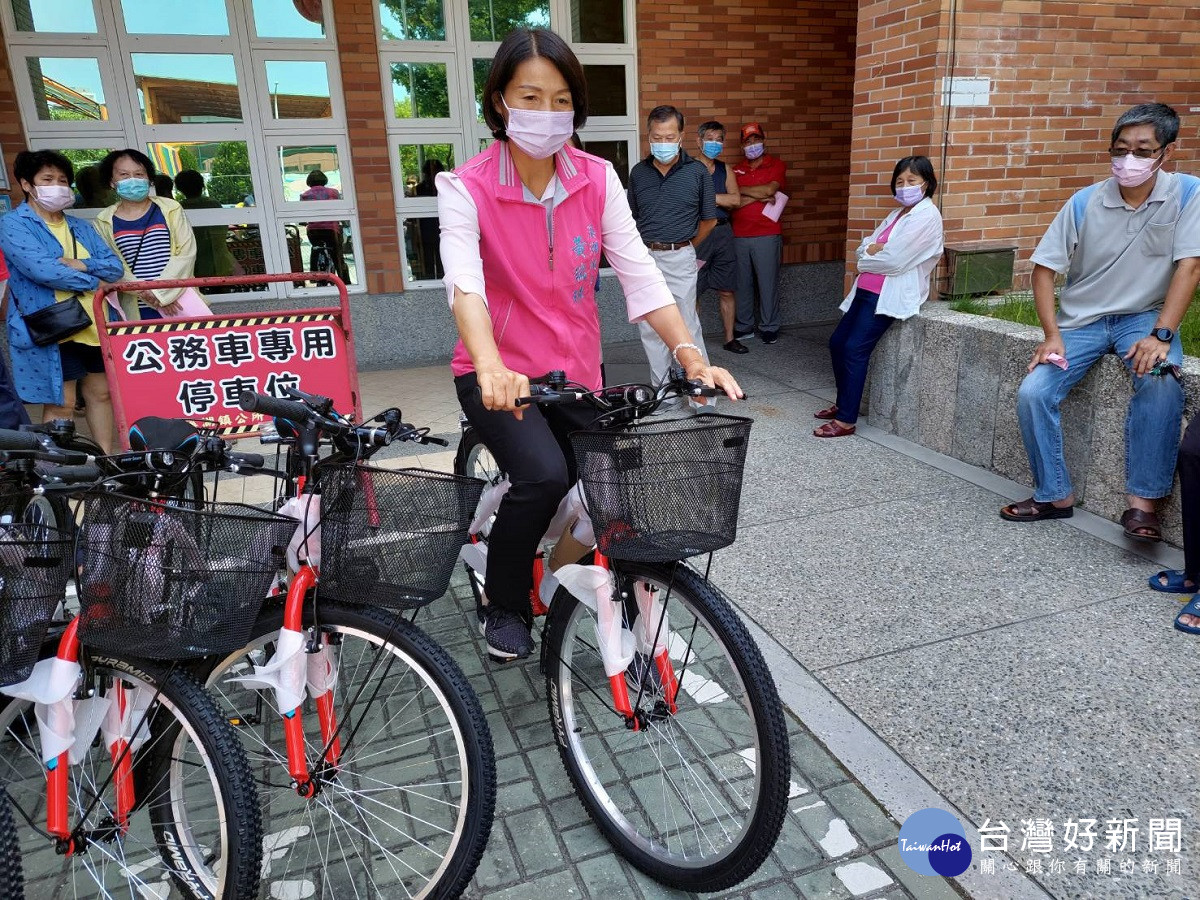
948	381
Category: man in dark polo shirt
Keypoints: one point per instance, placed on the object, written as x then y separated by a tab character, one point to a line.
673	203
719	269
757	239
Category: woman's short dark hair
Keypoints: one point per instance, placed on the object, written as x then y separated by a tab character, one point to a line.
316	178
29	162
529	43
106	164
919	166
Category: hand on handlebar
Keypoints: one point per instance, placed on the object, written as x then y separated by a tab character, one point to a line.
500	387
714	376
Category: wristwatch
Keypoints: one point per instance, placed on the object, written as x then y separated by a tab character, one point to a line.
1163	334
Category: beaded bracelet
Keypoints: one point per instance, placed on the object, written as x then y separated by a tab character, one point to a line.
678	347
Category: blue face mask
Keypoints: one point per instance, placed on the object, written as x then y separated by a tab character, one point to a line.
133	189
712	149
664	153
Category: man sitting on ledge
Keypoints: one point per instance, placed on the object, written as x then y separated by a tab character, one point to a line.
1130	248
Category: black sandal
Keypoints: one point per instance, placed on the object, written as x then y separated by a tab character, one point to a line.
1137	521
1032	511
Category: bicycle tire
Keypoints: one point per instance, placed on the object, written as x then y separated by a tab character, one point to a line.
163	774
429	666
12	884
612	767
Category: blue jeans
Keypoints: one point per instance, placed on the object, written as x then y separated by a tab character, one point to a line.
850	348
1151	424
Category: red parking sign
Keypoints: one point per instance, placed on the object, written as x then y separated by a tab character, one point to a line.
197	368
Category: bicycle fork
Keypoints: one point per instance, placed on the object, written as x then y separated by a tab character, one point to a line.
319	674
58	724
593	586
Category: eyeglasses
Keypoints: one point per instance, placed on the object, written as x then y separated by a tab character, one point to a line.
1140	152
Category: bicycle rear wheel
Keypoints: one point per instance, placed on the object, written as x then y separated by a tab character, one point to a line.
408	811
695	798
195	830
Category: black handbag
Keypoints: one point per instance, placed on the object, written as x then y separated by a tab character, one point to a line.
58	321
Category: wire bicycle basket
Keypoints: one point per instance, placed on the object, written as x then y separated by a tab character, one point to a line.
35	566
166	581
391	537
664	490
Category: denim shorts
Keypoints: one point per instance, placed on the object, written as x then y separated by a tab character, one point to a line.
79	360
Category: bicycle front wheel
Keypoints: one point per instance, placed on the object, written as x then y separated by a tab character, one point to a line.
12	883
408	808
694	798
194	830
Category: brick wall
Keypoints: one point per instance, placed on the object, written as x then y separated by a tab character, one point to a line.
12	134
1060	75
788	65
358	56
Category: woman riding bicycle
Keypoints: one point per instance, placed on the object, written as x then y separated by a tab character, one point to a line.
523	226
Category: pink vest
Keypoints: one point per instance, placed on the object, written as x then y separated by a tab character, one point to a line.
540	282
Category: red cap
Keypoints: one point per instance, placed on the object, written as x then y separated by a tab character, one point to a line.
752	130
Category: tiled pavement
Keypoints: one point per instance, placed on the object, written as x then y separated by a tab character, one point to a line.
836	841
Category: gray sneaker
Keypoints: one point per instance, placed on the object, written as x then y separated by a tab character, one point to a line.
507	634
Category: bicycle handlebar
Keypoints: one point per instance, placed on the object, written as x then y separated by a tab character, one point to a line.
19	440
75	474
276	407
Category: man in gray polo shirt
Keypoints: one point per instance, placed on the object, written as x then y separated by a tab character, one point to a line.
673	203
1130	250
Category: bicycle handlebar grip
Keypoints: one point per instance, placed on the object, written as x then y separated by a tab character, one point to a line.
246	460
548	397
274	406
76	474
316	401
19	440
441	442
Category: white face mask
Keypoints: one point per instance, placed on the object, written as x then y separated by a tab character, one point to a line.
539	133
53	197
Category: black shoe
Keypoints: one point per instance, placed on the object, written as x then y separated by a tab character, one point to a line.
769	337
736	346
507	634
738	335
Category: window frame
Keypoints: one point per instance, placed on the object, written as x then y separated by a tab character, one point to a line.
463	129
113	46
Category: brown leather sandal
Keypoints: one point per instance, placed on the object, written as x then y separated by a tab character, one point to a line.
833	429
1032	511
1141	525
830	412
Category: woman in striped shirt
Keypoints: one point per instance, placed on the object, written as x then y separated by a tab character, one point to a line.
151	234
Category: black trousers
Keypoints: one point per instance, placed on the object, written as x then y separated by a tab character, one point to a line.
536	454
1189	484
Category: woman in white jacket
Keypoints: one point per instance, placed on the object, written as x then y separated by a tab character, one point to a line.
894	265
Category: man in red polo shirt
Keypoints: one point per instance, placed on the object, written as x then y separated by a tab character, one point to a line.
757	239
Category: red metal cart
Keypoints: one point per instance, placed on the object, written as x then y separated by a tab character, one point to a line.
196	368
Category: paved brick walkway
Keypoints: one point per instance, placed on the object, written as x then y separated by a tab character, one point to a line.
836	841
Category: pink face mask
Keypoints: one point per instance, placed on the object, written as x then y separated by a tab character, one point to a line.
1131	171
754	151
54	197
540	133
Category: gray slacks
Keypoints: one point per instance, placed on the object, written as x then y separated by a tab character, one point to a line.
758	260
